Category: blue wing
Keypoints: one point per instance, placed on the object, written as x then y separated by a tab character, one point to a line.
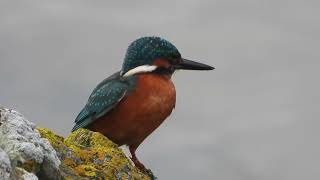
103	98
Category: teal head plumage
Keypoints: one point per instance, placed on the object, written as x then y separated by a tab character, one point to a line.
145	50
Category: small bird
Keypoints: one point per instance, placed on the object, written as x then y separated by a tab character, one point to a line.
130	104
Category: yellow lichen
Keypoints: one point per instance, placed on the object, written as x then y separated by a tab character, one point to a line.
46	133
86	170
90	154
55	140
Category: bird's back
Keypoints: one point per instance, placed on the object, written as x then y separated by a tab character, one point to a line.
103	98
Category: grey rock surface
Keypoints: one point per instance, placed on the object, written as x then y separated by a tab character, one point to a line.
5	165
23	174
23	153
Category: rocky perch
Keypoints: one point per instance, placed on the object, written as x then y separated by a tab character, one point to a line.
31	153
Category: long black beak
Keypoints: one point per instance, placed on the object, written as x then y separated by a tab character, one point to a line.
192	65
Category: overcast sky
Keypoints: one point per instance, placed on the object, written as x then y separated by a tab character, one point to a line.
255	117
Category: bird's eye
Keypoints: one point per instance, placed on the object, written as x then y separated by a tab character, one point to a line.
175	60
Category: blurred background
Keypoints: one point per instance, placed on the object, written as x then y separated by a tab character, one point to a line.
256	116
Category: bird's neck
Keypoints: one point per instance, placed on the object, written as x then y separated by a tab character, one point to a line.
155	76
162	84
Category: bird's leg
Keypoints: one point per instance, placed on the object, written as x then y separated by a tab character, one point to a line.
135	160
139	165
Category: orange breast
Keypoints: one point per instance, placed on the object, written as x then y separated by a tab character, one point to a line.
139	113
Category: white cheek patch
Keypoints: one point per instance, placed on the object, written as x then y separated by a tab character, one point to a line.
140	69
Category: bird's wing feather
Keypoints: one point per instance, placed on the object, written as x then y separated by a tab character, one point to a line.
103	98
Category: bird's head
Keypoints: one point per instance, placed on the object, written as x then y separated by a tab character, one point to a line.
154	54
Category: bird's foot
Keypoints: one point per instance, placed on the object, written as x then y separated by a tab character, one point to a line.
139	165
147	172
150	174
143	169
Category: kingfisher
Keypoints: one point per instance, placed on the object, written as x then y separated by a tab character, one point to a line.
130	104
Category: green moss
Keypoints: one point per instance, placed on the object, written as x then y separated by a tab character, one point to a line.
90	154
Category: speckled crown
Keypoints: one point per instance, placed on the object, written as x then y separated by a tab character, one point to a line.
145	50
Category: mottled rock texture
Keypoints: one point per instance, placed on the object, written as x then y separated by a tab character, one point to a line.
31	153
5	165
28	152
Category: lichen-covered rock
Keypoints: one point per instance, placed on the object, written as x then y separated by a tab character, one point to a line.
30	153
88	155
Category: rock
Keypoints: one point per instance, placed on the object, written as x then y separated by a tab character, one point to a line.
25	175
5	165
24	146
31	153
88	154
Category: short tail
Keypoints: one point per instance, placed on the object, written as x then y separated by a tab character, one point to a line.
83	120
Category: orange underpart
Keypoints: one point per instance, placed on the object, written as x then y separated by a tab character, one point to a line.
139	113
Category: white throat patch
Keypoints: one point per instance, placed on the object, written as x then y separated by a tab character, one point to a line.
140	69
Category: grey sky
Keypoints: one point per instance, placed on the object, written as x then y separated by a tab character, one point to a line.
255	117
